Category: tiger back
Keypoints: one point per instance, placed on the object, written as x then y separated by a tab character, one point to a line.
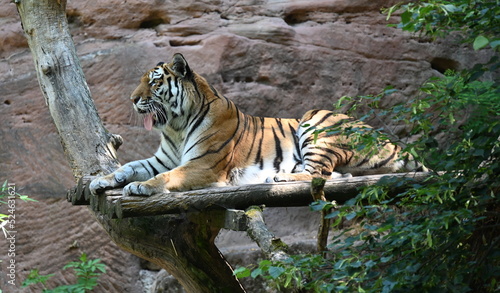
207	141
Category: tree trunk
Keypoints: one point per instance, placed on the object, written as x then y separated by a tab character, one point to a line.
183	247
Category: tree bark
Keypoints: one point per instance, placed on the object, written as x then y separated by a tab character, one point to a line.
89	148
273	247
183	247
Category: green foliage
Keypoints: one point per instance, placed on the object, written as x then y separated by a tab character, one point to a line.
34	277
87	272
478	20
442	235
8	193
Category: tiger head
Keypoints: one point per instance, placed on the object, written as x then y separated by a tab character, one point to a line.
163	93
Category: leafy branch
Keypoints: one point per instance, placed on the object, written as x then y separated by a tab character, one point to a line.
86	271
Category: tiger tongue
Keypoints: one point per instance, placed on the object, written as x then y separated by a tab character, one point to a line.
148	121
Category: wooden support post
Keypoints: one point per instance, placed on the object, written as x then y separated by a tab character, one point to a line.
271	246
318	193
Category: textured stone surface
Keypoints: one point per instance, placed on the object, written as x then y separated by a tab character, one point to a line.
273	58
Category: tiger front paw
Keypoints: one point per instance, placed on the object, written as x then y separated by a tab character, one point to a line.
100	184
141	189
116	179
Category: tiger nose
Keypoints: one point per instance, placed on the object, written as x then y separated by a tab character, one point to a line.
135	100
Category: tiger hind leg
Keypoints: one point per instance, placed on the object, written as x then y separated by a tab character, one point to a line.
306	176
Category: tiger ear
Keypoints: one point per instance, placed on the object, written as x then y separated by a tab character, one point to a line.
180	66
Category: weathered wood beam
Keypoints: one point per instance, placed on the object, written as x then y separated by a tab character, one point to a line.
241	197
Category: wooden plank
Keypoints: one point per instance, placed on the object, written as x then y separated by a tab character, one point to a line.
240	197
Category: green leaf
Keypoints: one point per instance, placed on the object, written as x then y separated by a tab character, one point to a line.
34	277
265	263
26	198
351	216
451	8
405	17
494	43
480	42
4	186
241	272
83	258
257	272
332	215
384	228
275	272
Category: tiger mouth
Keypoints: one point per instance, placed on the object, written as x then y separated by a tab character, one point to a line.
154	116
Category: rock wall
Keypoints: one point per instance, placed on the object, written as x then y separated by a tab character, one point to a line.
273	58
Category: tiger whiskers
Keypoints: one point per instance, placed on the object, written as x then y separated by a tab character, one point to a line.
135	119
160	114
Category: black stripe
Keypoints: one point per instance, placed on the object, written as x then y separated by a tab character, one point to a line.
330	114
169	141
347	157
176	82
214	91
170	95
298	164
337	155
279	152
364	161
161	163
313	169
309	161
258	157
146	169
251	123
244	130
197	90
311	127
166	154
309	154
295	143
384	162
199	142
306	143
180	95
328	130
313	113
222	159
222	145
155	172
280	126
198	120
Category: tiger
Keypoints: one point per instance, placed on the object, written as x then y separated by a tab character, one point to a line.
207	141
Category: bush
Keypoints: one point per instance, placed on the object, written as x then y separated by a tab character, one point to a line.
87	272
439	236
